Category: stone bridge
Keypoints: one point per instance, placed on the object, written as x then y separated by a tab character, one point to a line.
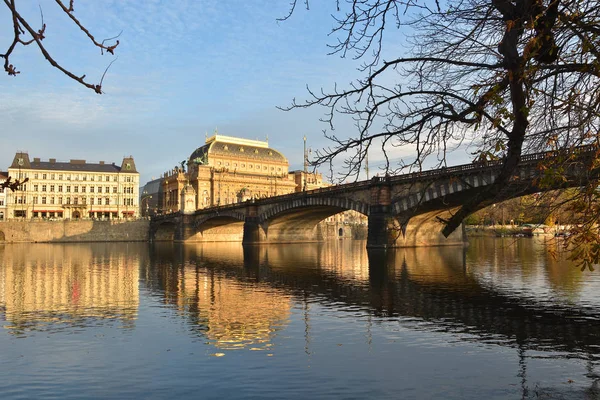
407	210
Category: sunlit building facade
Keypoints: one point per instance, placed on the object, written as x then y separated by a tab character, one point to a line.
75	189
228	170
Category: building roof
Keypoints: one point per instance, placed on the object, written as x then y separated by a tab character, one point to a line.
22	161
227	146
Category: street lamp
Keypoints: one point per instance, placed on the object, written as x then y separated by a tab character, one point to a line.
145	197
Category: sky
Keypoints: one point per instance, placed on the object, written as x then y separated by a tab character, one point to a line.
183	68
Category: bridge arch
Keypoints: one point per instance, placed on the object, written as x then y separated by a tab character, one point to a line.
334	204
442	194
218	216
164	229
217	226
298	220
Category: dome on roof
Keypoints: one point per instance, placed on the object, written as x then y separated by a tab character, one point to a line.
225	146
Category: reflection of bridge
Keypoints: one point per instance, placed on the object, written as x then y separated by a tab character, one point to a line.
417	287
403	211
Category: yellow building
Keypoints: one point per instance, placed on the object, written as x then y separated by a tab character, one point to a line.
227	170
74	189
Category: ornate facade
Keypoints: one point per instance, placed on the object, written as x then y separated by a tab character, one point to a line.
74	189
227	170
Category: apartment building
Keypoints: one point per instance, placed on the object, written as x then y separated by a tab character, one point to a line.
75	189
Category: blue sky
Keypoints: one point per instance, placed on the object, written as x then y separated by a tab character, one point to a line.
184	68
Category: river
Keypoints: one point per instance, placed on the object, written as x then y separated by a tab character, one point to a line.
501	319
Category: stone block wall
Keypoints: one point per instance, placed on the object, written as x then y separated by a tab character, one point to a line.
73	231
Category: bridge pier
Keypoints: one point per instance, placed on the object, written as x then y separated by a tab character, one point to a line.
381	221
185	228
253	232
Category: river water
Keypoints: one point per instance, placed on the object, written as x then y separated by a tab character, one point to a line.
501	319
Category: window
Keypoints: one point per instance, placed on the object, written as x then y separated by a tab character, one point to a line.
114	189
35	176
91	189
68	200
92	201
99	200
99	189
43	176
60	176
68	189
91	177
60	188
43	188
115	178
43	199
35	188
107	189
60	199
1	202
52	176
85	177
52	188
106	201
35	199
52	200
83	189
75	200
76	189
107	178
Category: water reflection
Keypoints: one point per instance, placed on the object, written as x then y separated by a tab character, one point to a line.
503	293
45	286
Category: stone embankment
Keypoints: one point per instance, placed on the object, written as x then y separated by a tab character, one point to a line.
73	231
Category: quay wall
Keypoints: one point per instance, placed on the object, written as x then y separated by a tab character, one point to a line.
73	231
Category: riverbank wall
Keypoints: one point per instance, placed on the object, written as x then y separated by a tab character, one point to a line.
74	231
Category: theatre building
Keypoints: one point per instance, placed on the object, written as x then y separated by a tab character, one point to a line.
227	170
74	189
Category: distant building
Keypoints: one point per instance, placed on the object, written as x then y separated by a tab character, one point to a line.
227	170
74	189
151	195
3	178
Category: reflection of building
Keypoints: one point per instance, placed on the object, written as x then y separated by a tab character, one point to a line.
234	315
46	284
74	189
227	170
3	178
